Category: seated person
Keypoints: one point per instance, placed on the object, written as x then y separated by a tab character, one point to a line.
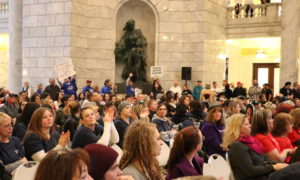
262	124
12	153
294	136
91	132
245	153
141	146
183	159
163	124
53	166
104	165
41	136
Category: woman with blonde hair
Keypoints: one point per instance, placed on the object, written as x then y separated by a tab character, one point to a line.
262	125
140	111
294	136
245	153
141	146
233	108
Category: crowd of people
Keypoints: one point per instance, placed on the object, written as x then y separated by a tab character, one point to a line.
72	133
247	5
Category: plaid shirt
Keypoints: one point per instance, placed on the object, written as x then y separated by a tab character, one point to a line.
254	92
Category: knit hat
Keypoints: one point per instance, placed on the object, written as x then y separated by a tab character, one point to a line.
122	105
101	159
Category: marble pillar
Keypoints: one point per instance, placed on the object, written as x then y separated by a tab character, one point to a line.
290	23
15	45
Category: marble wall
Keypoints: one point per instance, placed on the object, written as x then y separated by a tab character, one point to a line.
187	33
46	38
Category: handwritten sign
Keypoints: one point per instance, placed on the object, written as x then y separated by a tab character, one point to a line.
156	71
64	70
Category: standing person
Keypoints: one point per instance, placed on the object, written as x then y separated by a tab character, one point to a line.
52	88
176	88
88	87
12	153
212	130
40	88
108	87
286	90
185	90
27	89
91	132
249	7
141	146
10	107
183	159
124	120
197	90
245	153
237	7
69	86
41	135
239	90
129	86
228	92
267	91
157	90
254	91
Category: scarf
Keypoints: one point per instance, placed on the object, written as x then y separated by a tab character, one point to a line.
253	144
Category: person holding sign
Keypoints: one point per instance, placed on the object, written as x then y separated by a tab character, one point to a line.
69	86
129	86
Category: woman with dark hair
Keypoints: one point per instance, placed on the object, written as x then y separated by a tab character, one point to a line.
262	125
141	146
21	125
156	90
197	114
72	122
294	136
106	97
91	132
249	112
245	153
46	95
64	164
170	104
283	124
163	124
57	100
212	130
63	113
36	98
41	135
185	100
183	159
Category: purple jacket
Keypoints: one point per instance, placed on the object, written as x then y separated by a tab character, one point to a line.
184	168
213	138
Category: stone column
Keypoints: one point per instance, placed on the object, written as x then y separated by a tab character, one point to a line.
289	65
15	45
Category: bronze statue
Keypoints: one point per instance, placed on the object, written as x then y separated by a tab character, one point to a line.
131	50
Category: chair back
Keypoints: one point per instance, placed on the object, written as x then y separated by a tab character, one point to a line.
164	155
26	171
217	167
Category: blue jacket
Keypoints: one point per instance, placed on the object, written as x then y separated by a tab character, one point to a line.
69	88
105	90
87	88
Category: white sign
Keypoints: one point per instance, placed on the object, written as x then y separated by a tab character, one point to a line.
156	71
64	70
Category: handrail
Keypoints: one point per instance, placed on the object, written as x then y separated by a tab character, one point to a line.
261	10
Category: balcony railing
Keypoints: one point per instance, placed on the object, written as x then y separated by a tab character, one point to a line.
269	10
4	6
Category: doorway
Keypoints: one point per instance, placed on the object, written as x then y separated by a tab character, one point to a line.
267	73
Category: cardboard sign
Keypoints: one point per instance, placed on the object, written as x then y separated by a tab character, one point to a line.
156	71
65	70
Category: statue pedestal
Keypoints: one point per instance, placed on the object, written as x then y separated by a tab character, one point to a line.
145	86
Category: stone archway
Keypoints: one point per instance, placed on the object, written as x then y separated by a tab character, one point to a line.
145	19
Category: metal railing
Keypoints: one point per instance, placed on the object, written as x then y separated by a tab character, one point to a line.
269	10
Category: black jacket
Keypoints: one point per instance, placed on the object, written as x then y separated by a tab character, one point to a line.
247	164
239	92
